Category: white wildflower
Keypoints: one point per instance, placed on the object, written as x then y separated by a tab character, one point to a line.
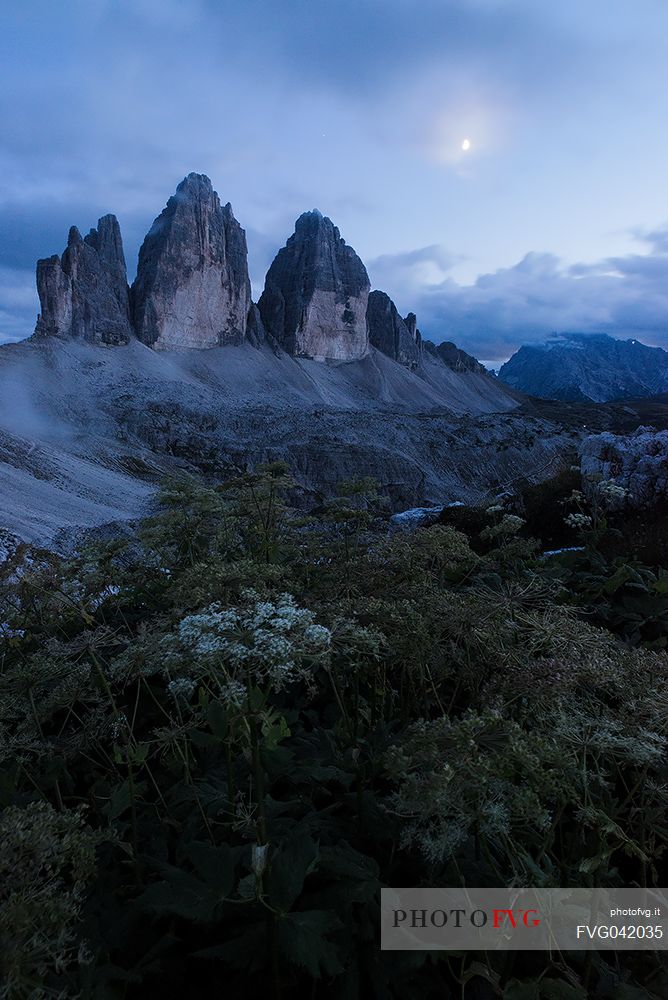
611	493
11	633
281	674
579	521
509	524
181	689
233	694
263	640
318	635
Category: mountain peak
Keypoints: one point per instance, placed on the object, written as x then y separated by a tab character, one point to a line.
192	287
587	366
195	185
84	294
315	295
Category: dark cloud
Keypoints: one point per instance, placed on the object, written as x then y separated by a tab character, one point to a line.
31	231
540	295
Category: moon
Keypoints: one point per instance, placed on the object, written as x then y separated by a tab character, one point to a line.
466	145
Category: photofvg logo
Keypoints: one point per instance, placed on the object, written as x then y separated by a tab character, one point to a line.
524	919
438	918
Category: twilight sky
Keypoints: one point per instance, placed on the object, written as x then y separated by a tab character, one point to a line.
555	219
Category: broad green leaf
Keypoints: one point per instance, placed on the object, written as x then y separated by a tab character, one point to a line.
302	941
216	716
521	991
343	861
214	864
559	989
186	897
203	740
288	869
246	951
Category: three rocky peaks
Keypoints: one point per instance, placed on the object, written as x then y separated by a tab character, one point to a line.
192	289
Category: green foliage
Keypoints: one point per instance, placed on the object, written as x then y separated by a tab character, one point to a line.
46	865
266	716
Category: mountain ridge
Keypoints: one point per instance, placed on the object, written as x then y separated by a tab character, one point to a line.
579	367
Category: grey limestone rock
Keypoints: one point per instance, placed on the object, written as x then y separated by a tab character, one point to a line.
84	293
420	517
454	357
636	462
315	295
192	287
394	336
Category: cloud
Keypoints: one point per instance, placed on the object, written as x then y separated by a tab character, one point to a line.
408	273
19	304
540	295
359	108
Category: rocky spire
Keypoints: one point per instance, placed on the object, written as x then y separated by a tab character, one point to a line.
454	357
84	294
392	335
315	294
192	287
411	322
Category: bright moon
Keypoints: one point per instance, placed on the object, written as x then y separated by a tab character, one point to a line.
466	145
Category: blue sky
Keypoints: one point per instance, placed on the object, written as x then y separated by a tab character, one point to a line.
555	219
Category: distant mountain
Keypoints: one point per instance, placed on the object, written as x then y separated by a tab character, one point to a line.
583	366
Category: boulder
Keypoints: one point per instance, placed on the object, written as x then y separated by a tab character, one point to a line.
635	462
420	517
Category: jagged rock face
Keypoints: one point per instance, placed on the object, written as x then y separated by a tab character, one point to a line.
411	322
391	334
581	366
192	287
315	296
636	462
255	331
84	294
454	357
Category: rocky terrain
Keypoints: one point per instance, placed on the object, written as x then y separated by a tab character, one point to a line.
591	367
87	433
183	372
638	463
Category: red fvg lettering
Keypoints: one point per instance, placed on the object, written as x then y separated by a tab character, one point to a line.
523	915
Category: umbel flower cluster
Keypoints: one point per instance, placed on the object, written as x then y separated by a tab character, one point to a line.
602	496
265	643
577	520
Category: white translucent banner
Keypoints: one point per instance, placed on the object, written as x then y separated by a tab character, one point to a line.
524	919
